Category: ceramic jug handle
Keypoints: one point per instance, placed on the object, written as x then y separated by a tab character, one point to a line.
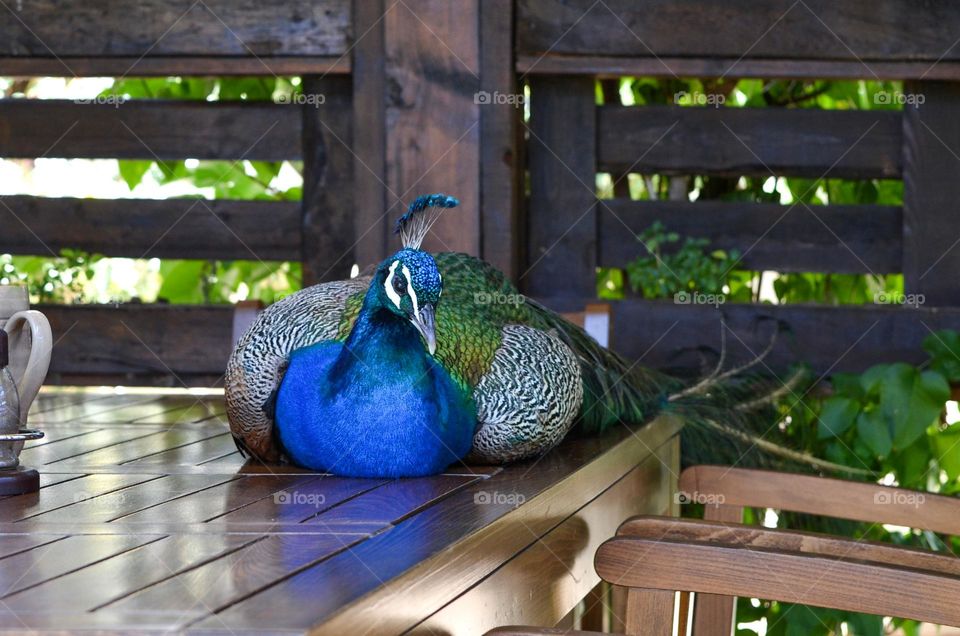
28	385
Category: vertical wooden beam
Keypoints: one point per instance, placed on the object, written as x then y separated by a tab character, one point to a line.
500	147
327	222
563	220
432	121
369	196
931	190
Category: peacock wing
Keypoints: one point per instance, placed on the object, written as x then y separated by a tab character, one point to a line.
259	359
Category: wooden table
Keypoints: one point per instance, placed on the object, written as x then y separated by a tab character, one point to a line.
148	520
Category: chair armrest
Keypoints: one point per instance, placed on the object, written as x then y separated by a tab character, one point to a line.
518	630
740	487
807	579
734	535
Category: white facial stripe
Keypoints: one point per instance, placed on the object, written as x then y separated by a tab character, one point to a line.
388	284
413	294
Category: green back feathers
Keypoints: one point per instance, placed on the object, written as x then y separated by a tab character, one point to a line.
477	302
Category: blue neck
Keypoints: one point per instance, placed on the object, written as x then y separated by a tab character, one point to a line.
380	340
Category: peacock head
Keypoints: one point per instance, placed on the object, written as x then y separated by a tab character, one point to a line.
409	285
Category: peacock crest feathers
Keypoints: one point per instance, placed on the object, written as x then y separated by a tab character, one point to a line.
420	216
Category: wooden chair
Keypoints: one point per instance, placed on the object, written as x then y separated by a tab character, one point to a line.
719	559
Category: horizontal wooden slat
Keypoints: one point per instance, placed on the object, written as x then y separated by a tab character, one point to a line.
134	341
50	28
666	66
843	338
147	129
745	141
832	238
163	66
763	29
148	228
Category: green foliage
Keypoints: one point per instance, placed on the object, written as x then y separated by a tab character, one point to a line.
888	421
752	93
206	282
671	266
200	281
63	279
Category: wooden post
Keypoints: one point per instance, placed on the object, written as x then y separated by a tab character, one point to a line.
417	128
931	191
563	222
369	133
327	221
433	122
500	143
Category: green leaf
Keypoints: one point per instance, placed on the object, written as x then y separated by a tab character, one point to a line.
946	444
132	171
847	384
182	281
944	349
911	401
864	625
837	415
872	430
871	378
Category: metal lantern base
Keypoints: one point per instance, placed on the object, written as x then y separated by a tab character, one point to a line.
19	481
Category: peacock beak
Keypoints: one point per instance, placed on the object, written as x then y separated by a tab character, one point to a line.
425	324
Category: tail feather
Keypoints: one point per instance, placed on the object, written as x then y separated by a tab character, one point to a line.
730	417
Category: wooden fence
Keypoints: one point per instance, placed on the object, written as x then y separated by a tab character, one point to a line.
402	115
563	47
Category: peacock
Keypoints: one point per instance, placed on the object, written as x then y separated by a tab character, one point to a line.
434	359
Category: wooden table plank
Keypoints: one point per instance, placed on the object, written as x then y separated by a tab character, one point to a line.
149	521
128	451
26	569
87	410
118	576
66	494
195	412
310	499
400	563
220	499
77	445
11	544
129	501
225	581
191	454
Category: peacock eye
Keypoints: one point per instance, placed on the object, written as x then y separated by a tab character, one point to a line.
400	285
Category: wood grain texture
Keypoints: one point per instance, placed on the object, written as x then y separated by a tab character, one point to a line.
370	134
931	231
858	32
829	338
140	340
649	612
784	576
432	121
669	529
153	27
823	496
563	555
562	221
149	129
484	536
666	66
501	144
131	535
327	220
152	228
796	238
746	141
160	65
